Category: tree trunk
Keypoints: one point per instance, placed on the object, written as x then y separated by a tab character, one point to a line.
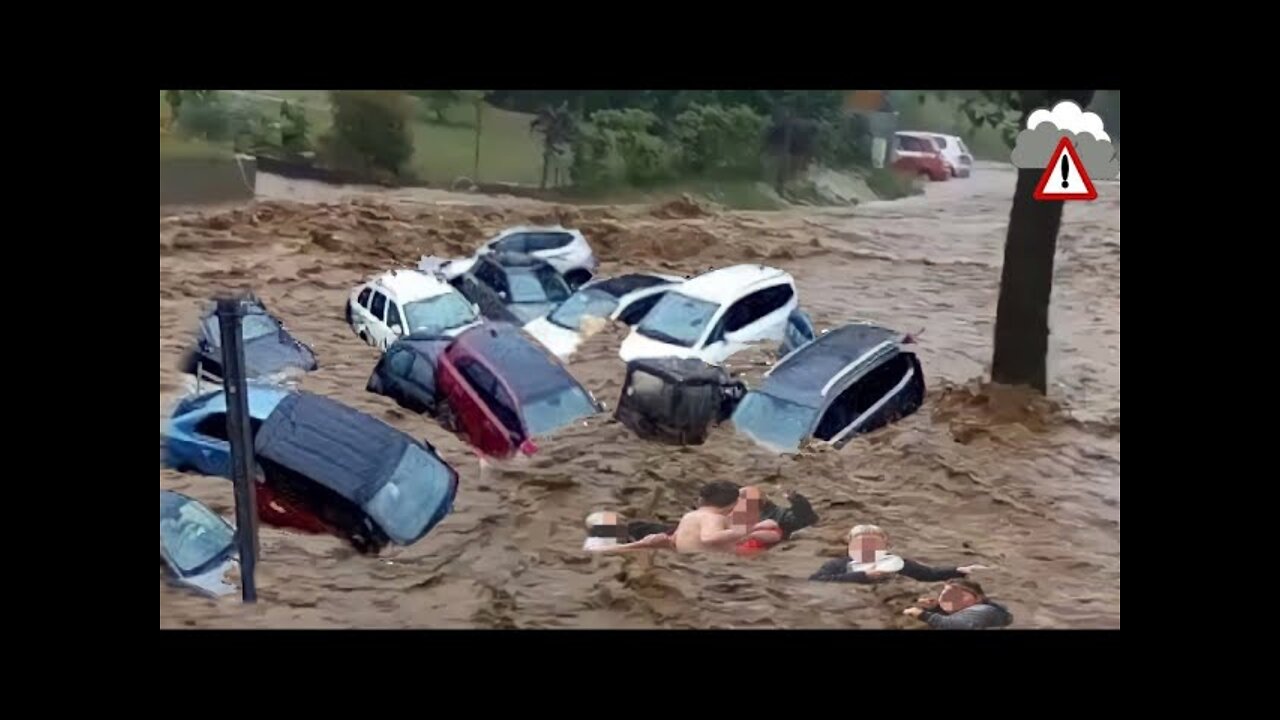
479	116
546	160
1026	282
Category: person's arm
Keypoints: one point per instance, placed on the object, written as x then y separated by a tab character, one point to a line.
651	542
766	531
793	519
976	617
838	571
924	573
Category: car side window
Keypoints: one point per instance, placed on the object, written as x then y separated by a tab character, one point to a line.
214	426
379	305
547	241
636	311
423	372
364	297
491	275
514	243
393	314
756	305
400	362
492	392
910	144
941	142
861	396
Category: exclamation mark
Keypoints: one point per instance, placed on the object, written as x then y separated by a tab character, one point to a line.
1065	170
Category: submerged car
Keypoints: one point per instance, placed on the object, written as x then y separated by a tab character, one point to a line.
403	302
566	250
955	154
676	400
321	466
800	330
510	288
503	390
715	315
849	381
269	350
917	154
406	372
627	298
197	546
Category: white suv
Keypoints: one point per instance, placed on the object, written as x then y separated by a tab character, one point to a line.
402	302
715	315
954	152
565	250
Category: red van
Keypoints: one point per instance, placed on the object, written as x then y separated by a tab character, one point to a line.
917	154
505	389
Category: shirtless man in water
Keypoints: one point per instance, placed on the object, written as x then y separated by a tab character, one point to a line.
726	521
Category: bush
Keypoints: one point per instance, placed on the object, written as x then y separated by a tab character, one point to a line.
370	131
889	184
621	137
204	117
845	142
593	157
718	140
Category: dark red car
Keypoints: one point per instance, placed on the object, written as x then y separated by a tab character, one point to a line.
917	154
504	389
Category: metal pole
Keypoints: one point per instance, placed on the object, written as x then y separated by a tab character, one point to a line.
230	312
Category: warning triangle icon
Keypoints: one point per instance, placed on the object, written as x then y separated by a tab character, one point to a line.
1065	178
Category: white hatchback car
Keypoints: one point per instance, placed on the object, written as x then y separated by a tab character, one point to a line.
565	250
954	152
402	302
626	298
715	315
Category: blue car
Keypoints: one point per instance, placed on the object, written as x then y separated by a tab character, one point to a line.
321	466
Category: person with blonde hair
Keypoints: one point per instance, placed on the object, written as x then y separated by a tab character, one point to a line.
868	561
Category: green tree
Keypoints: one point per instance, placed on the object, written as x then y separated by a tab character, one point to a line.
370	130
476	99
439	101
294	127
557	127
1026	280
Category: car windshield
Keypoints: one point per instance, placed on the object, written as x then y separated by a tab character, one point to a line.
194	537
779	424
581	304
536	285
442	312
677	319
254	325
552	411
414	498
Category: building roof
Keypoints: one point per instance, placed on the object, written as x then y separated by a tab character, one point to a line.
407	286
729	283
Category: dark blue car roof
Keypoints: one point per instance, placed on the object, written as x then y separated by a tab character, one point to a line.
343	449
801	377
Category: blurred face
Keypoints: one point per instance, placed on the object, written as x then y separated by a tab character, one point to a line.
746	512
609	524
862	548
955	598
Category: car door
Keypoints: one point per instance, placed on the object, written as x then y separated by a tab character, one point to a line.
376	330
394	323
395	368
360	316
758	317
476	420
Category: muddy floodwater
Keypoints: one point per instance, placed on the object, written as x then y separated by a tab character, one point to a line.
1029	486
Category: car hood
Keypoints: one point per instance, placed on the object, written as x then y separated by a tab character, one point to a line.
218	581
528	312
639	346
562	342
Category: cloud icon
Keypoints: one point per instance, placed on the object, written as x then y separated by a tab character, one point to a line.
1045	128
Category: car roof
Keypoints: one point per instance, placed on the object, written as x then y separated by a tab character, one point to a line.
805	375
629	283
409	285
535	229
337	446
729	283
522	362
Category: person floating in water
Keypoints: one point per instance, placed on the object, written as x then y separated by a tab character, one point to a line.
962	605
869	561
727	519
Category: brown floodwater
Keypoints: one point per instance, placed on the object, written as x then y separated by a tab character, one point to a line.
1029	486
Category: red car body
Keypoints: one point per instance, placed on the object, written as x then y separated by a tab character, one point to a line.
917	154
486	374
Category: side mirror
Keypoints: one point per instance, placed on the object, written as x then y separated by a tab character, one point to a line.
397	329
475	308
503	294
